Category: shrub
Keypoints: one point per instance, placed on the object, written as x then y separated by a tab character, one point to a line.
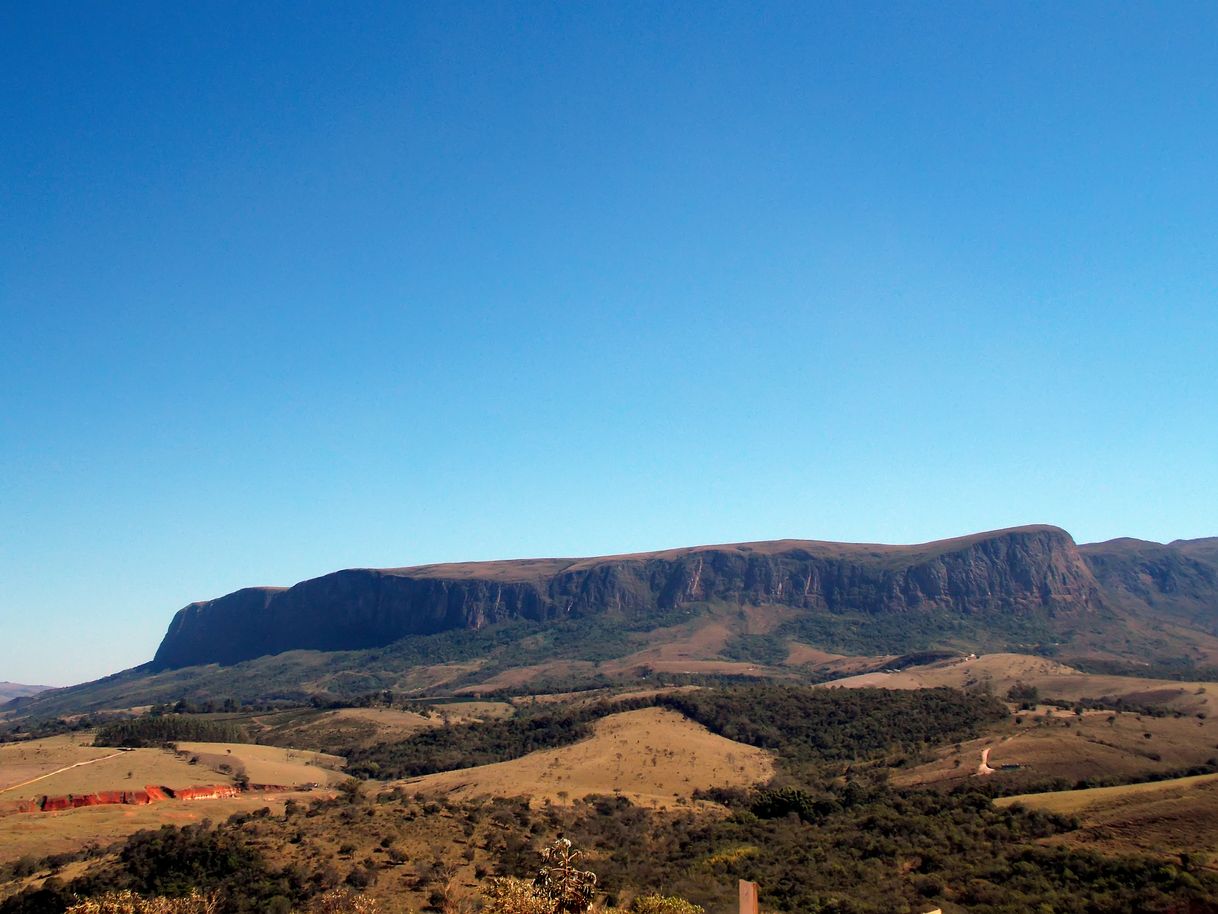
560	887
664	904
343	901
127	902
509	895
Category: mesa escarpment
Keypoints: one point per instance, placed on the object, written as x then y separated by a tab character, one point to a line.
1017	571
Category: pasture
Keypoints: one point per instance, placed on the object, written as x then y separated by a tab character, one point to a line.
653	757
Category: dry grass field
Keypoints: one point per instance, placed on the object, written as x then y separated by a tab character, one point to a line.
106	769
652	756
1164	818
1050	743
1001	671
799	654
20	762
40	834
344	727
474	710
266	764
1074	802
597	696
688	648
521	676
436	675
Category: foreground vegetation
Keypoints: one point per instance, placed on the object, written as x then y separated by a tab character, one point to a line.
829	834
853	846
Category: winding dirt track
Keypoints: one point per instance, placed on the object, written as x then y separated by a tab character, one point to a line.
51	774
984	767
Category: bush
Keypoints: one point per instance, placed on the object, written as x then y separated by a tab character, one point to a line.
664	904
127	902
560	887
509	895
343	901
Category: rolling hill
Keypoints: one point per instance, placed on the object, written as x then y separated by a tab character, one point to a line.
652	756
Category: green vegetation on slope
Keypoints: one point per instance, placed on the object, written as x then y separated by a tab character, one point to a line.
172	862
297	677
156	729
830	724
801	722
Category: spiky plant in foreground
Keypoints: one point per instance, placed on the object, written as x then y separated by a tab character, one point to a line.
570	888
559	888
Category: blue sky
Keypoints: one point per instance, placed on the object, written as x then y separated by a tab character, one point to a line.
286	288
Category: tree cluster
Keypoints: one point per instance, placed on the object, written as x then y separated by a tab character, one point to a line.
156	730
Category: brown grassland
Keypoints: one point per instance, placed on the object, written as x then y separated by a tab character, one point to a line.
363	726
58	832
268	764
1048	743
39	834
346	726
1163	818
999	672
107	769
653	757
22	761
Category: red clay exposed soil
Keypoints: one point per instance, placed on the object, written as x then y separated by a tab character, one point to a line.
150	794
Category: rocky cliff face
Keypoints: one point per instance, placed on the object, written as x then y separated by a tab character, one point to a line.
1178	579
1022	570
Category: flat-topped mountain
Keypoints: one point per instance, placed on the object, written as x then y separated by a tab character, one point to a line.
1020	573
782	609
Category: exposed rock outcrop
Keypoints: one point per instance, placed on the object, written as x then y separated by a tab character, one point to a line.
1021	570
150	794
213	792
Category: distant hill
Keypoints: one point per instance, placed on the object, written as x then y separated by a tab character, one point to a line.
785	609
11	690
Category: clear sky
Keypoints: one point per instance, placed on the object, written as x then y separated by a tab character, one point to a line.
286	288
